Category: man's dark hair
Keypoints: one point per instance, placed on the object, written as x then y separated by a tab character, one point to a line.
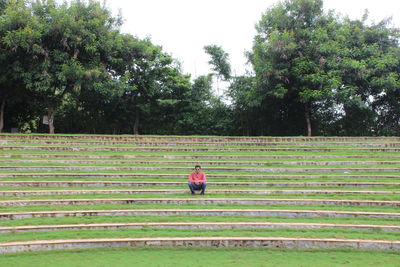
197	166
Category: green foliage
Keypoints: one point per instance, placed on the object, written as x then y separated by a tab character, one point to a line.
219	60
70	61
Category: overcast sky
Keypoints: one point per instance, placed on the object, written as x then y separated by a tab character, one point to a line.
183	27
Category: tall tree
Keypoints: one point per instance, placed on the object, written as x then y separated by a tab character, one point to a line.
219	61
290	54
70	51
368	65
147	75
18	32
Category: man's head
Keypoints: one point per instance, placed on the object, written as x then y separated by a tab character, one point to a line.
197	168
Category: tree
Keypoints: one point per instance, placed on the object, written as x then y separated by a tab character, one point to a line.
368	64
294	42
148	78
219	60
69	51
18	32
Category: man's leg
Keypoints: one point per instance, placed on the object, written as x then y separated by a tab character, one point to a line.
192	187
203	188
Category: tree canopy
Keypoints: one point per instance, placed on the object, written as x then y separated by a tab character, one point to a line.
67	67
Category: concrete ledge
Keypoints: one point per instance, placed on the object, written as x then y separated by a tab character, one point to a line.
196	225
198	212
165	183
276	242
200	201
186	191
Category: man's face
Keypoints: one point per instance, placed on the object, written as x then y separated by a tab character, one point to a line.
197	169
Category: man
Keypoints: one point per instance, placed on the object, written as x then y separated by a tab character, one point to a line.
197	180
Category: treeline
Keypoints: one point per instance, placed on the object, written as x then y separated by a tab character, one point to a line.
67	68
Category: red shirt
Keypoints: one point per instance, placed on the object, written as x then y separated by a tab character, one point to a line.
197	178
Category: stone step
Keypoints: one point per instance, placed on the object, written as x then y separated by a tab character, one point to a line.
197	138
273	242
21	193
185	176
199	201
194	149
165	183
196	225
187	143
85	156
199	212
201	162
189	169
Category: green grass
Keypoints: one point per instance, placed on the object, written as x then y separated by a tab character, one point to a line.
148	232
204	153
195	218
196	206
276	179
200	257
332	196
253	168
210	186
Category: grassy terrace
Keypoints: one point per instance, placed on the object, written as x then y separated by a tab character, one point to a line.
156	256
297	160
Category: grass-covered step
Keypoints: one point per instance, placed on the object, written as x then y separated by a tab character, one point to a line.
229	177
202	212
126	219
197	144
211	256
196	138
66	184
275	242
197	149
214	157
196	225
202	201
189	169
192	163
185	191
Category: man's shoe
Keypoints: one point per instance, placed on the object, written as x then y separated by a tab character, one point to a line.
202	193
193	194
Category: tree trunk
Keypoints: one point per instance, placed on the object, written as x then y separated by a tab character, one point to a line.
308	119
2	107
50	114
136	125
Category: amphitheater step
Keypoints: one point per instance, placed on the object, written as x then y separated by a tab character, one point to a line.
74	156
212	176
159	143
188	169
186	191
194	149
203	163
166	183
197	138
275	242
197	225
202	201
200	212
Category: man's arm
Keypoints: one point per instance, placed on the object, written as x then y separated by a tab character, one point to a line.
191	178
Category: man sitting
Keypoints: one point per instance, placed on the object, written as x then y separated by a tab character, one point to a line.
197	180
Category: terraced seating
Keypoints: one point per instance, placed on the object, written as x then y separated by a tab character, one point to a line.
109	191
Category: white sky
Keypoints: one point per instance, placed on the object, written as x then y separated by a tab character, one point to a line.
184	27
